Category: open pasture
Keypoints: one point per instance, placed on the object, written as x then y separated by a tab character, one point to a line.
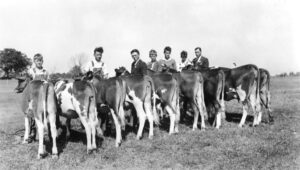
267	146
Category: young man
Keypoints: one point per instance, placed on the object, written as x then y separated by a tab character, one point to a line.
184	61
138	66
37	72
168	62
200	62
97	66
153	64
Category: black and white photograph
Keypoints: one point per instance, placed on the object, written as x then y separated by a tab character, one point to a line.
152	84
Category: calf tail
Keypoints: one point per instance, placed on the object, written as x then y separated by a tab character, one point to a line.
257	83
155	114
45	93
121	90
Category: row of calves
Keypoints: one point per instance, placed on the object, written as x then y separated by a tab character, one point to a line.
150	95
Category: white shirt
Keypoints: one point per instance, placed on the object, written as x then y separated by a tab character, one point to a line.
38	74
95	65
184	64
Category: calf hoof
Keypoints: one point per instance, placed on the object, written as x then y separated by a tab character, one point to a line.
138	137
41	155
89	151
95	150
150	137
202	129
241	126
118	144
54	156
25	142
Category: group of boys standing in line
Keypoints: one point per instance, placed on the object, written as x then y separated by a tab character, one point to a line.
96	65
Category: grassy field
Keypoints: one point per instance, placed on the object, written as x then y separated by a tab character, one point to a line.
264	147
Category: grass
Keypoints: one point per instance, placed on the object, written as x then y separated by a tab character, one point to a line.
264	147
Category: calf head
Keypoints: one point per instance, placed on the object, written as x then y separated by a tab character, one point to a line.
121	71
22	83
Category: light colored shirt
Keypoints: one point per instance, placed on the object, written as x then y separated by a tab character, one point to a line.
38	74
181	65
95	66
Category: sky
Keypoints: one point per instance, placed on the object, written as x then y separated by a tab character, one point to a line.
261	32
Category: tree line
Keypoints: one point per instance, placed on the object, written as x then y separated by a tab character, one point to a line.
290	74
14	62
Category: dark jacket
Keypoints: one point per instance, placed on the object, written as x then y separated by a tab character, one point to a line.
203	64
139	68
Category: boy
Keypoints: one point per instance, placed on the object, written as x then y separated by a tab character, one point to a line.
168	62
184	61
97	66
37	72
153	64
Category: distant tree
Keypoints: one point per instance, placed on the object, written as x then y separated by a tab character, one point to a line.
77	64
75	71
13	61
292	74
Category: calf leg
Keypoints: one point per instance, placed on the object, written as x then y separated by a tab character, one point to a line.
93	130
88	133
242	122
118	128
218	119
68	126
177	117
26	135
40	127
196	116
172	119
149	114
52	120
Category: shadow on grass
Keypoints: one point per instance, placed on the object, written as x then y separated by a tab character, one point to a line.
75	136
236	117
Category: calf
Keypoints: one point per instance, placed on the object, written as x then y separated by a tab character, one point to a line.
264	92
39	102
166	87
140	92
242	83
214	83
111	93
77	99
191	91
